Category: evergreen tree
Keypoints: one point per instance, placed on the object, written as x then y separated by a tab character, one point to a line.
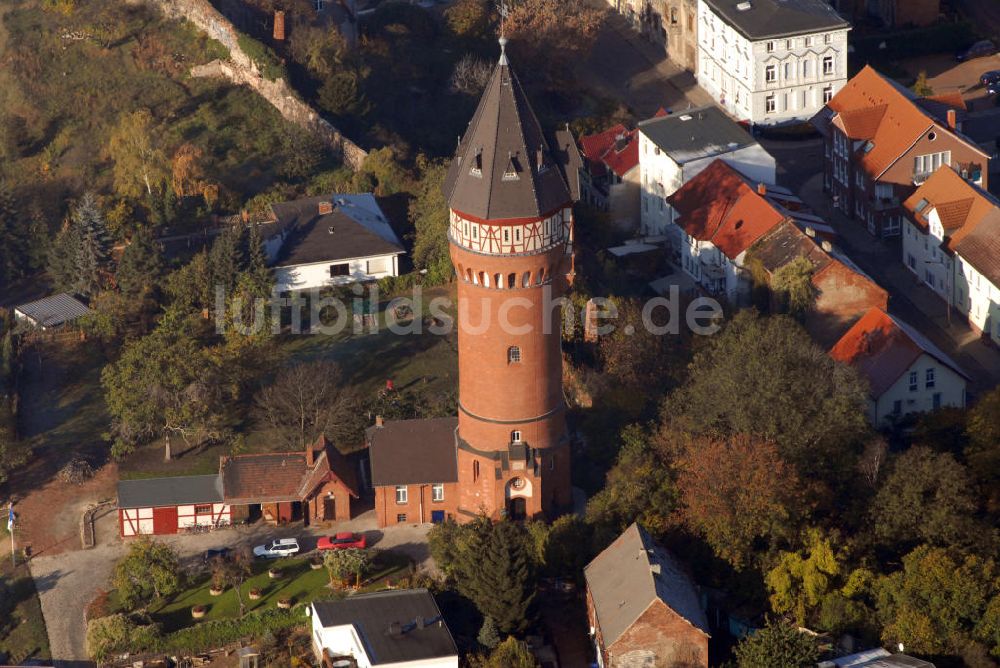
62	257
257	271
141	265
497	573
489	635
93	254
14	239
163	205
227	259
777	645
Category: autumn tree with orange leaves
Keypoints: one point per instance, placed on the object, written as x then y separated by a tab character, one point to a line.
735	492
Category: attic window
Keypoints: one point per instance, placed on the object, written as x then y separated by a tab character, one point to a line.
510	173
685	117
869	145
743	6
921	205
477	165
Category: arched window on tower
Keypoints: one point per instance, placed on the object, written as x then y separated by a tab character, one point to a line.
475	471
498	281
513	355
511	281
526	279
468	275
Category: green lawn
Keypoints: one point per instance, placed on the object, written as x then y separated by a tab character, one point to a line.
22	628
298	582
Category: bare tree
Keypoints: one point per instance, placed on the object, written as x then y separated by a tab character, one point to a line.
471	74
308	400
872	460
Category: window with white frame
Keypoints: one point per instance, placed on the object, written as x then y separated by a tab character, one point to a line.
808	41
515	436
925	165
789	71
827	38
513	355
929	378
913	381
769	104
402	494
437	492
771	73
770	47
827	65
827	94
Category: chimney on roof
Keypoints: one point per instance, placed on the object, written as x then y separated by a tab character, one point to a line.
310	456
325	207
810	232
279	25
826	246
952	116
379	422
761	189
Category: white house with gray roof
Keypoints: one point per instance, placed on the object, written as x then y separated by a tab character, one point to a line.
771	61
317	242
642	606
674	149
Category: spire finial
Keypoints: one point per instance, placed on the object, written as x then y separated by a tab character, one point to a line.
503	50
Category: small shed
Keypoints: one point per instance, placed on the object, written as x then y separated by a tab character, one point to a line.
51	312
157	506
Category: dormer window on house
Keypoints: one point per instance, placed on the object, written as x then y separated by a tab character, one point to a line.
510	172
921	205
477	164
869	145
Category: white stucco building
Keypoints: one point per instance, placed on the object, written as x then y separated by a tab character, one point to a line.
906	373
389	629
951	242
330	240
674	149
771	61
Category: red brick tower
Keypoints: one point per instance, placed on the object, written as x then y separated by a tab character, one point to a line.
511	225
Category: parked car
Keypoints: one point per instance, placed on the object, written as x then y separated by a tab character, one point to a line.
991	77
343	541
217	553
980	49
279	547
993	88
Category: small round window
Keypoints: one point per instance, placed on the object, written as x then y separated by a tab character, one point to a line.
932	135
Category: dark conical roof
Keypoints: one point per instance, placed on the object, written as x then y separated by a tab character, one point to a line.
503	167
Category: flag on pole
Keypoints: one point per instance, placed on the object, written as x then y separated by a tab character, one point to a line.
10	518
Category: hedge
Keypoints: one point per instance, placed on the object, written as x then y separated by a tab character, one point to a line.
262	56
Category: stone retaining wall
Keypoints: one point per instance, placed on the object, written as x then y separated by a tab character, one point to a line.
241	70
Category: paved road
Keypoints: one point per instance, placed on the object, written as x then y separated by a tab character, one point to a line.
67	582
624	66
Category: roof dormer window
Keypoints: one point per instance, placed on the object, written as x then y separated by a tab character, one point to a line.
477	165
510	172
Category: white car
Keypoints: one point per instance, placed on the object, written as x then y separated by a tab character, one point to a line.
279	547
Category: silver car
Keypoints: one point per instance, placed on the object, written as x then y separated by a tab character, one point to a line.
279	547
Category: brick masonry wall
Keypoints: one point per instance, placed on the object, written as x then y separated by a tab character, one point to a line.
241	70
662	635
386	508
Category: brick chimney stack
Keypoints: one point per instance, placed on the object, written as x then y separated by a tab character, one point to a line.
379	422
761	189
952	119
325	208
279	25
310	456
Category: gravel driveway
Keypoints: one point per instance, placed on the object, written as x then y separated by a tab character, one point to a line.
68	582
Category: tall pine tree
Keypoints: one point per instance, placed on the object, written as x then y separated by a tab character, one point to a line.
62	257
227	259
93	254
497	573
141	266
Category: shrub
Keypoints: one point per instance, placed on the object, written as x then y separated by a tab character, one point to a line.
271	68
107	635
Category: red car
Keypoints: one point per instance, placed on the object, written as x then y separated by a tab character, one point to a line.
342	541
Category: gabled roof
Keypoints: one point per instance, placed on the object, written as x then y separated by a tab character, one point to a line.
695	134
960	204
329	463
617	148
354	228
981	247
395	627
504	168
54	310
719	205
889	118
882	348
176	491
630	575
413	452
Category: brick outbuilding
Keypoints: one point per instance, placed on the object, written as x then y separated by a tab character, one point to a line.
643	608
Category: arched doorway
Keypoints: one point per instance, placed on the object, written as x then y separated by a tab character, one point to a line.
517	508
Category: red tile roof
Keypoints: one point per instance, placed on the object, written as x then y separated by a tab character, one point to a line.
883	348
719	205
872	108
960	205
616	147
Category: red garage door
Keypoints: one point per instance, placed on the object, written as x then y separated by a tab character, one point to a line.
164	520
